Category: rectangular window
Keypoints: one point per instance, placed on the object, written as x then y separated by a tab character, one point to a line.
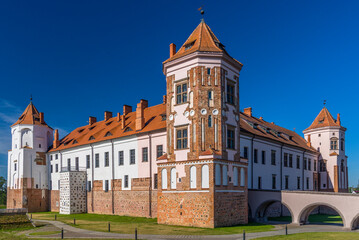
88	164
298	182
126	181
273	157
290	160
255	155
298	162
120	158
155	181
231	139
51	157
15	167
57	167
342	145
89	186
181	93
307	180
107	159
230	94
106	185
56	156
274	184
97	160
77	163
245	152
305	163
315	165
333	145
263	157
259	182
182	138
286	182
145	154
132	156
285	159
52	167
309	164
68	164
159	149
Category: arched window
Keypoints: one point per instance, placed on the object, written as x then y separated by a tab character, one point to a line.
193	177
173	178
210	121
164	178
342	144
218	175
243	177
205	176
225	175
235	176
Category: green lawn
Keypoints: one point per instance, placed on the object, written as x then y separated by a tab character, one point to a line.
44	233
315	218
14	222
123	224
2	206
317	235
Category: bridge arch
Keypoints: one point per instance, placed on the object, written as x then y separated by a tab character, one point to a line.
308	209
355	222
263	207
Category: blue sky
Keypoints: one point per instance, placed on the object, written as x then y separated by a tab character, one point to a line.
80	58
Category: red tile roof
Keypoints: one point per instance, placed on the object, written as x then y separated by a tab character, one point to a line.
112	128
324	119
30	116
202	39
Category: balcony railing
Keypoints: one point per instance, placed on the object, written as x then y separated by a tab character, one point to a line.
73	169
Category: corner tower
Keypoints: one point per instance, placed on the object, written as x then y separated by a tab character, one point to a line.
327	135
27	168
202	177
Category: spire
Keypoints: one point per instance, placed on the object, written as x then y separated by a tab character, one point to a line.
31	116
324	119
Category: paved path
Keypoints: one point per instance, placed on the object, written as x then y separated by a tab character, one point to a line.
73	232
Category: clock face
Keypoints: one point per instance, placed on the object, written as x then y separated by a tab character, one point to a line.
171	117
191	113
215	111
203	111
186	114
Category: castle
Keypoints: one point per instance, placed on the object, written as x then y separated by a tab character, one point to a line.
188	161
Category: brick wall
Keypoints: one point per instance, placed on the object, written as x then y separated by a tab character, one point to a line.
54	200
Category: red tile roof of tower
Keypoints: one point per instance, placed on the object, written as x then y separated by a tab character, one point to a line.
31	116
324	119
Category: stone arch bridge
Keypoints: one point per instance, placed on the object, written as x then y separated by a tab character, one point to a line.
301	203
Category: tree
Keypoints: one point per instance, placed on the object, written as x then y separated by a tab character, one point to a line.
2	191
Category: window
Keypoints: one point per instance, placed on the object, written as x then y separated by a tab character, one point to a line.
181	93
333	144
126	181
132	156
173	178
305	163
15	167
309	164
88	163
224	175
307	180
181	138
290	160
245	152
243	177
145	154
298	182
230	94
298	161
208	71
255	155
323	166
218	175
120	158
235	176
77	163
193	177
263	157
159	149
50	155
315	165
210	98
89	186
273	157
107	159
52	167
286	182
106	185
342	144
274	184
342	166
210	121
57	167
97	160
164	178
230	139
155	181
68	164
259	182
285	159
39	145
56	156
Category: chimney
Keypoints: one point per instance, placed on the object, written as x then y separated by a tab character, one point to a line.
118	117
123	118
42	118
126	109
108	115
140	119
56	139
164	99
248	111
338	119
92	120
261	118
172	49
309	142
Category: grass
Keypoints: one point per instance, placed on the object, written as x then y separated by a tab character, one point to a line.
2	206
315	218
317	235
11	222
124	224
44	233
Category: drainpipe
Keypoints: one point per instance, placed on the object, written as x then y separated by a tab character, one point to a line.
303	170
252	160
113	179
150	187
281	167
92	178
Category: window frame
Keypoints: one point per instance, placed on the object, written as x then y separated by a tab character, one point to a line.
145	154
121	156
182	95
106	159
182	141
132	156
97	160
231	140
230	92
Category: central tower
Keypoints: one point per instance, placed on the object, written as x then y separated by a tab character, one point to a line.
202	179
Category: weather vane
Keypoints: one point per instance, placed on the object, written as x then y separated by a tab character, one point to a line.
325	102
30	97
202	12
